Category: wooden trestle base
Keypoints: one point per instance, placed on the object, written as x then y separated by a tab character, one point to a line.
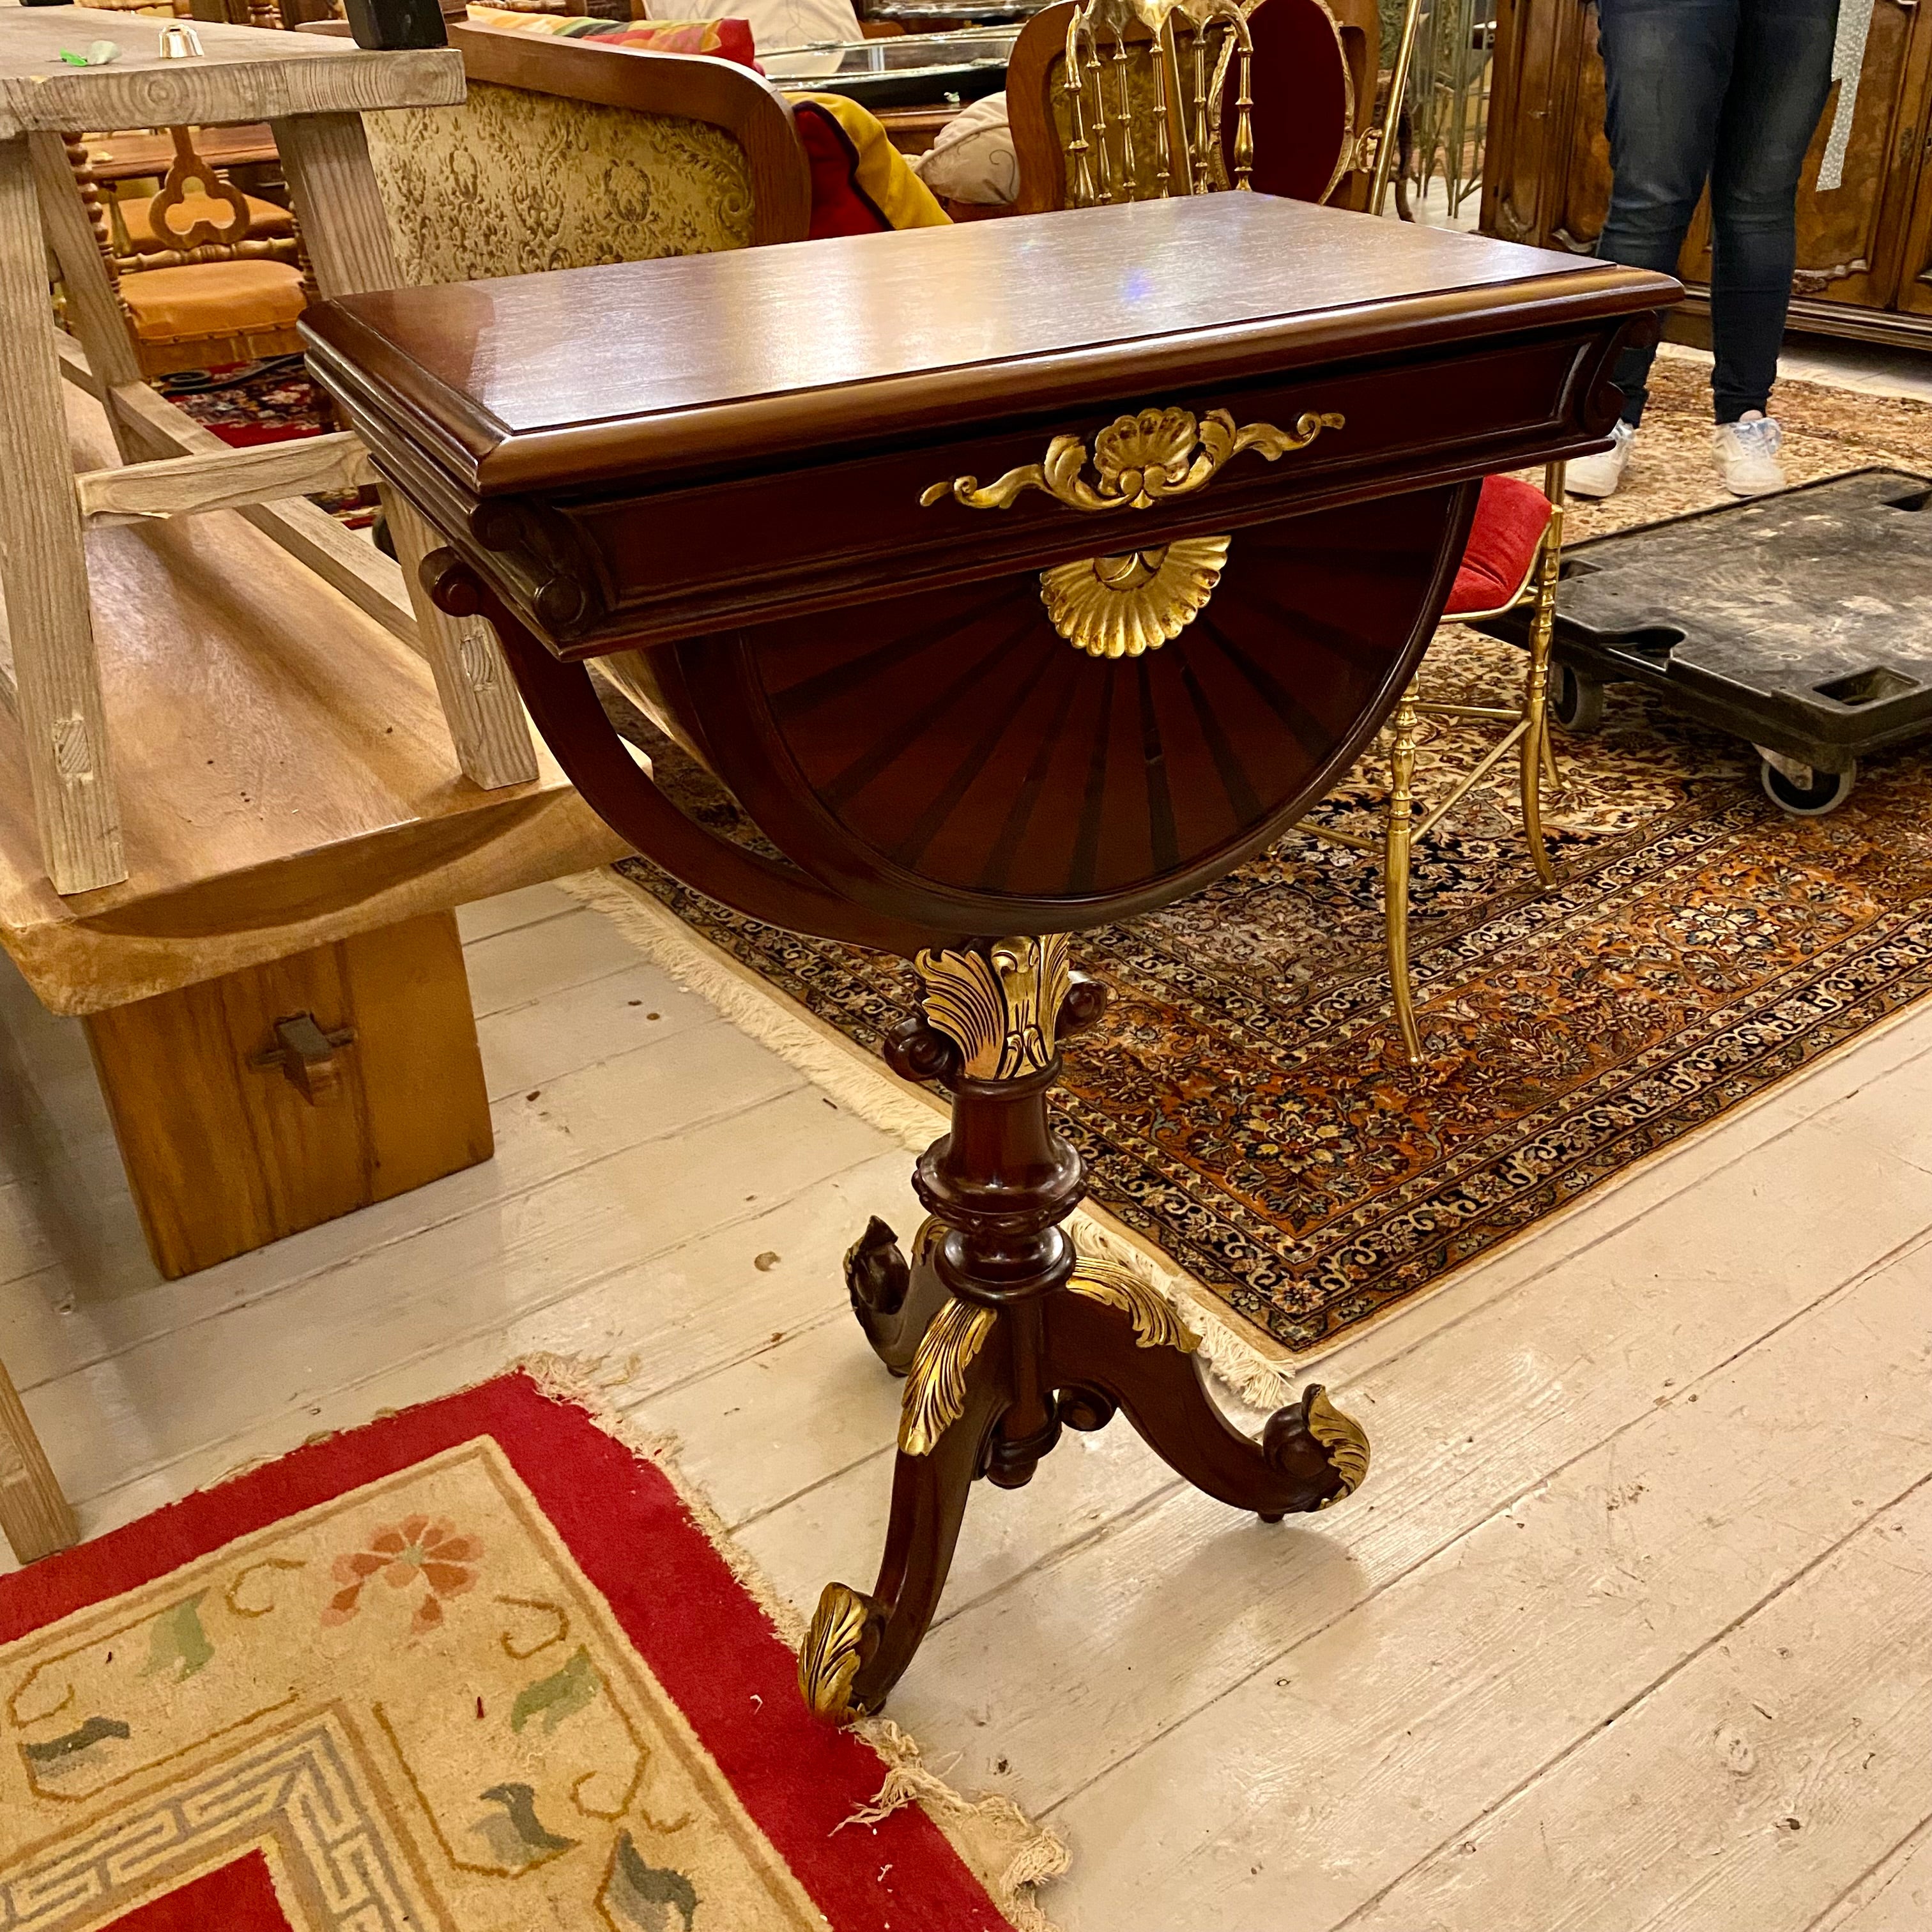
1005	1336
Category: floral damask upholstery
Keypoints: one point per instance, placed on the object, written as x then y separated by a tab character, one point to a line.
515	183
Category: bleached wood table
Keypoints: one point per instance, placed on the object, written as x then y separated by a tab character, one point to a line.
312	92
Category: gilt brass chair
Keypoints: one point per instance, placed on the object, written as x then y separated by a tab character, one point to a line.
1517	541
1134	100
1130	100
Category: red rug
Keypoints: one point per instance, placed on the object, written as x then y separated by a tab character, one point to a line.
250	403
477	1667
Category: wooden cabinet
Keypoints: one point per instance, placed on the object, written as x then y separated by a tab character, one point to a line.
1864	203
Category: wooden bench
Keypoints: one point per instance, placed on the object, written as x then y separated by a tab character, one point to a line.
311	92
298	838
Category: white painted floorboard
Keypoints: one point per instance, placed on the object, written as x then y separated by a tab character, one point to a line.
1631	1629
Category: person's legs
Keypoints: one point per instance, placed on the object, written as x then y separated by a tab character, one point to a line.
1780	78
1666	65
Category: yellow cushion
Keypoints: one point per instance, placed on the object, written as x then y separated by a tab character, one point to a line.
264	218
881	174
212	299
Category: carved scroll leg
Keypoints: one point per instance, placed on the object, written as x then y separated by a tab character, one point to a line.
1112	1340
859	1646
894	1301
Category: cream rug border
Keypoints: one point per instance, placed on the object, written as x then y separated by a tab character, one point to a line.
1256	1367
1008	1853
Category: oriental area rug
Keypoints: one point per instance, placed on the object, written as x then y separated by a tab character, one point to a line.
1245	1108
478	1667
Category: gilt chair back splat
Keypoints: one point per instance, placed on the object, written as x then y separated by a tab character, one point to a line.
1115	101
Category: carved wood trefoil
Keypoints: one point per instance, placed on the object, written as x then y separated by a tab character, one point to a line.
1156	1324
1124	606
935	1390
1139	461
188	171
1345	1439
999	1007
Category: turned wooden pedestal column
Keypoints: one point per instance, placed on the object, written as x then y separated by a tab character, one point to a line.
1005	1336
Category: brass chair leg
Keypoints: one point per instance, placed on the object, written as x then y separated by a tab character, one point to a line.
1395	873
1536	697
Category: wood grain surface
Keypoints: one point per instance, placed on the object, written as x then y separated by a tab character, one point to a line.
149	428
756	351
287	773
326	159
183	485
63	735
247	73
224	1155
35	1518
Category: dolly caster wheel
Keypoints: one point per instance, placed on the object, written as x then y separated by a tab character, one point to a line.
1576	702
1802	790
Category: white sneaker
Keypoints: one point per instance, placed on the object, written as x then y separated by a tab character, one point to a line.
1599	475
1747	452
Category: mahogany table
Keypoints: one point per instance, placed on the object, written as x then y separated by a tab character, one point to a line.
1015	577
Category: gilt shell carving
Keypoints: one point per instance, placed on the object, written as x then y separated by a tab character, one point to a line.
1125	605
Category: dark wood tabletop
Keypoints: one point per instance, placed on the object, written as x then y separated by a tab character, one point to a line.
664	367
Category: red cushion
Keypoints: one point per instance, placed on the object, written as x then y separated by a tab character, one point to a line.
1511	516
839	206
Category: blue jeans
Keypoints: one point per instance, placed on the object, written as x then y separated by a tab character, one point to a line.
1729	90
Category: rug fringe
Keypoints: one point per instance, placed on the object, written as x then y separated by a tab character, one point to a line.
911	1114
1040	1858
1007	1850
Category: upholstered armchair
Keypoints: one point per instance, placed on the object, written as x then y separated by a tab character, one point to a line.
567	153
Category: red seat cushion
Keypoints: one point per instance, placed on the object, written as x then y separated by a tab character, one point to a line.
1511	517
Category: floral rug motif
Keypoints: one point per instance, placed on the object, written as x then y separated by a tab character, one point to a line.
252	403
474	1668
1245	1105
